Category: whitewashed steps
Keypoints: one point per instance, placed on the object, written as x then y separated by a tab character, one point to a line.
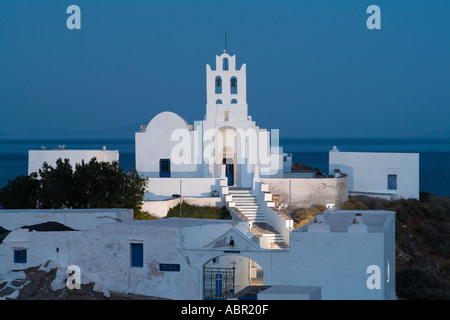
247	204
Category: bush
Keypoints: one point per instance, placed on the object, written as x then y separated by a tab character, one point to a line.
436	238
20	193
90	185
201	212
418	285
354	204
142	215
304	216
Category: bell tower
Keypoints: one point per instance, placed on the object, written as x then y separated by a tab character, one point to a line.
226	90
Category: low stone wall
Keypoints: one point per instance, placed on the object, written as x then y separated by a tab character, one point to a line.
159	208
307	192
158	188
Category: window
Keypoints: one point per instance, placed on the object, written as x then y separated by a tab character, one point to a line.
20	256
233	85
218	85
225	64
234	101
392	182
164	168
227	116
218	101
137	255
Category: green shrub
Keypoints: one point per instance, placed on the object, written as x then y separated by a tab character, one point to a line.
354	204
304	216
201	212
142	215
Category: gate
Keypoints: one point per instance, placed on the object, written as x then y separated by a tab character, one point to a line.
218	283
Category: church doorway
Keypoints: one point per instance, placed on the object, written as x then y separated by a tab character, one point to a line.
229	170
227	145
226	275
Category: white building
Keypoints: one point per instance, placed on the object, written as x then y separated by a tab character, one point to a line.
36	158
388	175
342	255
170	147
225	153
225	159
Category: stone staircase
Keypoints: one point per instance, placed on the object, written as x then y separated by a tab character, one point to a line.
247	204
248	208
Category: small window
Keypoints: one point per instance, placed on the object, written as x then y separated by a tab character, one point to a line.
225	64
137	255
234	101
218	85
233	85
218	101
20	256
392	182
164	168
227	115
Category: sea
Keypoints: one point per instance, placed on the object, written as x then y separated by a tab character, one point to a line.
434	158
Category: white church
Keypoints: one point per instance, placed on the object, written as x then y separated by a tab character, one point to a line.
223	160
225	154
170	147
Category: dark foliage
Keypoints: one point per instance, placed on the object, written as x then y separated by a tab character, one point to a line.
423	236
418	285
20	193
90	185
193	211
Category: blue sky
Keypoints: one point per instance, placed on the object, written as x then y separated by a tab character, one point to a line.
313	67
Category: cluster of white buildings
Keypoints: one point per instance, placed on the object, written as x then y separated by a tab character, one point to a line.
224	160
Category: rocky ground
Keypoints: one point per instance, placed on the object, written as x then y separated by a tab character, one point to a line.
35	283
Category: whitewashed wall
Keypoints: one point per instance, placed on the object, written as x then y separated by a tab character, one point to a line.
155	143
336	261
368	171
305	192
161	188
159	208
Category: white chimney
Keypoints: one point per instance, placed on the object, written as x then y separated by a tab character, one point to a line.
319	224
358	225
334	149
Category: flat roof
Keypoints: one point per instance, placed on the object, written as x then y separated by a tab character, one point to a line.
339	220
174	222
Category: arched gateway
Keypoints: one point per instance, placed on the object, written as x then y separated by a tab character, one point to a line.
226	275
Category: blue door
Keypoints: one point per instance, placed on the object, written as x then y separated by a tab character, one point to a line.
164	168
229	172
137	255
218	285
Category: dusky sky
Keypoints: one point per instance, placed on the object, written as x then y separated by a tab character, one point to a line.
314	69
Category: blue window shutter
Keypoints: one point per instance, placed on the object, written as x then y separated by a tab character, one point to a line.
392	182
20	256
164	168
137	255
